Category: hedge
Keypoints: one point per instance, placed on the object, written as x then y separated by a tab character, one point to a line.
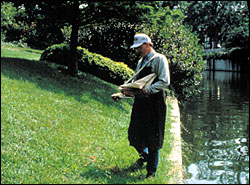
98	65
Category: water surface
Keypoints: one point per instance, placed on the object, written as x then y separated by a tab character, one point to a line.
216	131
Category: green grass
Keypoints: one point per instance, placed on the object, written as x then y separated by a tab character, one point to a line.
60	129
18	52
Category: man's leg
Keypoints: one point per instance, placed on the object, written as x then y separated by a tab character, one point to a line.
143	153
153	161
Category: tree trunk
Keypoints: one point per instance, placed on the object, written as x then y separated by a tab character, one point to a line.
72	63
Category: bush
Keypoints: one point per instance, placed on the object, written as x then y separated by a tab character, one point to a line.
111	40
102	67
216	55
173	39
58	53
235	53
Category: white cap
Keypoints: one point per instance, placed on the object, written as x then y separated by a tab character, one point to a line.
140	39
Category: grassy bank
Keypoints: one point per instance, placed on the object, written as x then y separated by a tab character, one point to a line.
60	129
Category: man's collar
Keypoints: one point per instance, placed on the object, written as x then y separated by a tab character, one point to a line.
148	56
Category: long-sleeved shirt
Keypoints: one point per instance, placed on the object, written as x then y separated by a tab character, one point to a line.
159	66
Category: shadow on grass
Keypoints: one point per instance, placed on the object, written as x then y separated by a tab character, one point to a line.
51	79
110	176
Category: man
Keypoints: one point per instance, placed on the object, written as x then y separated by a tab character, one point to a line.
147	125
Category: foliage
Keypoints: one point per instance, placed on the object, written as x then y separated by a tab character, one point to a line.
29	25
181	47
169	36
216	55
7	13
44	19
224	22
10	29
58	53
234	54
96	64
112	41
103	67
111	34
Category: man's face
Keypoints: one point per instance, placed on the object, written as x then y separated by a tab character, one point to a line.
143	49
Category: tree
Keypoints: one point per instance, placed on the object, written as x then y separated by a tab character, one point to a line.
235	32
220	21
8	22
73	67
57	14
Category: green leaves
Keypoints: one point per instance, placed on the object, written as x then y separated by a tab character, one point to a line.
218	19
102	67
181	47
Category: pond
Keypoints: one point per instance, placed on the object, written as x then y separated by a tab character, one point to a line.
215	131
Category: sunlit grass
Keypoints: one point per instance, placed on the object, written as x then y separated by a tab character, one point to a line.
18	52
60	129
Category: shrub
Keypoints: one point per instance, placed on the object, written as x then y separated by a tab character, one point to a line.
235	53
110	40
102	67
58	53
173	39
216	55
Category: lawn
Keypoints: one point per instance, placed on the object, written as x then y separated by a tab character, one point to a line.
65	130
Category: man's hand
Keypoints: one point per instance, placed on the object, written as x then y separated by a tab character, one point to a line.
116	98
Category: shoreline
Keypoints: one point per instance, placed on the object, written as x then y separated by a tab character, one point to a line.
176	153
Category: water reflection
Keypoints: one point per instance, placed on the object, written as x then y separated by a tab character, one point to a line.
224	65
217	131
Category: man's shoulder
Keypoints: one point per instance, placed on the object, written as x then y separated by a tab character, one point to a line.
159	56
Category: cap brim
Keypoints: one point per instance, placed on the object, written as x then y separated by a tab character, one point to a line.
136	45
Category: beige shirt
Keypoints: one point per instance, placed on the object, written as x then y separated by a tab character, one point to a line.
159	65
